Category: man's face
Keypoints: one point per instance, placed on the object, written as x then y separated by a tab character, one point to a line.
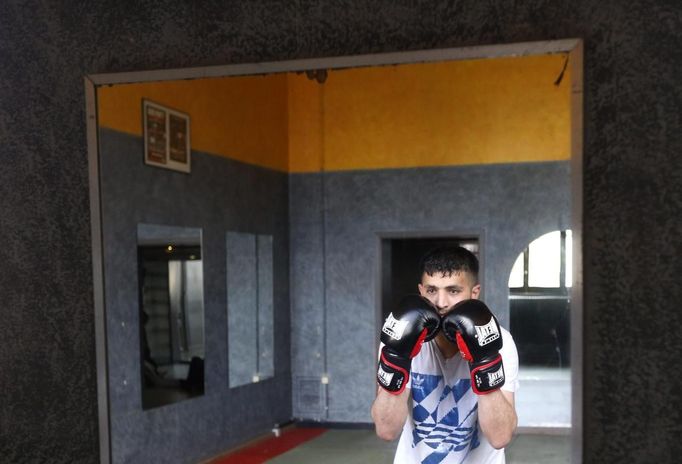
445	291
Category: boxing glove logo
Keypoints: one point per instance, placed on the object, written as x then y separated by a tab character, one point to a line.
384	377
394	328
490	379
495	377
487	333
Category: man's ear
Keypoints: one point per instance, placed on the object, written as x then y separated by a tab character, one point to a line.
475	291
422	290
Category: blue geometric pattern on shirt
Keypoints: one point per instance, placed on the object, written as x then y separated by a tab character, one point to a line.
441	427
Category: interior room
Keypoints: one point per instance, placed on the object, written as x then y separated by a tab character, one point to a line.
305	202
124	333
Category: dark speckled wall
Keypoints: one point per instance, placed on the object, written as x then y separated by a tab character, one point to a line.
632	178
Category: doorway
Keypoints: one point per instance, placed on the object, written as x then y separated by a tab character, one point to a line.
540	311
400	264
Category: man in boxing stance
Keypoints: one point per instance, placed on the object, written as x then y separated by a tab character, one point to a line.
447	371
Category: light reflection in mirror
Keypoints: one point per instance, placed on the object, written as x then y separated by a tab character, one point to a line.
170	279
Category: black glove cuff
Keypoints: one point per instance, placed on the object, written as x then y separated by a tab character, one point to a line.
487	376
393	372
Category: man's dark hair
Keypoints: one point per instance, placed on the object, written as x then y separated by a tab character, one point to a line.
449	260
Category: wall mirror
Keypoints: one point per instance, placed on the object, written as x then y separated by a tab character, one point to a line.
344	160
249	308
171	295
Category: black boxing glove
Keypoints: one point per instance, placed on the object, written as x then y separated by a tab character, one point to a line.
414	322
477	333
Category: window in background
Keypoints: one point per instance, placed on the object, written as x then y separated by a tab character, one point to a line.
545	264
539	300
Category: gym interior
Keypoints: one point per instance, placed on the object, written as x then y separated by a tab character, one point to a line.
223	304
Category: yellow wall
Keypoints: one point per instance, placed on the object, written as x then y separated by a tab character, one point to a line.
434	114
243	118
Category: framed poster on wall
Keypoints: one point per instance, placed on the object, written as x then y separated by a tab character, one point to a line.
166	137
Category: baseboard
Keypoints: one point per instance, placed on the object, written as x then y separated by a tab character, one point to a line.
536	430
543	430
336	425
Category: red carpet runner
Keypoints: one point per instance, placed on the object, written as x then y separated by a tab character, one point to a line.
268	448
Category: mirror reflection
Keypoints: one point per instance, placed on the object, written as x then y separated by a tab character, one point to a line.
287	155
170	279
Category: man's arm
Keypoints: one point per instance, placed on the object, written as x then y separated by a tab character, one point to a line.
497	417
389	413
413	322
478	336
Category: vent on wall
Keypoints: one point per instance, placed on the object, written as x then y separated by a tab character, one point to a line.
309	398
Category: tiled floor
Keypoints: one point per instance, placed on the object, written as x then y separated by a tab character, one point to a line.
363	447
539	449
543	402
544	397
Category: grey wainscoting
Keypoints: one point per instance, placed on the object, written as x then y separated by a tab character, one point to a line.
337	220
219	195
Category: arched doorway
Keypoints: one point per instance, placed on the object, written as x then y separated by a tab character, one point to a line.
539	301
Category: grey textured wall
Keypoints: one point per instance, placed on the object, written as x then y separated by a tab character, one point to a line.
632	178
507	206
219	195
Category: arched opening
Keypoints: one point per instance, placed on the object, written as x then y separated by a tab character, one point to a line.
539	302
